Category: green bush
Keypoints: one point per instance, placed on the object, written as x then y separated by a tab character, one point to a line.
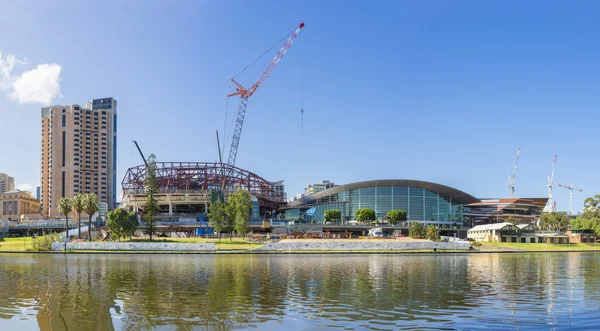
44	243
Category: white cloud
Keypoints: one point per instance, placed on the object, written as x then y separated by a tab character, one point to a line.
39	85
25	187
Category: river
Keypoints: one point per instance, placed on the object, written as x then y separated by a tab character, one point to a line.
525	291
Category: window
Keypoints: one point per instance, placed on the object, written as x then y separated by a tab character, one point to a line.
76	130
76	108
64	120
64	110
63	184
64	148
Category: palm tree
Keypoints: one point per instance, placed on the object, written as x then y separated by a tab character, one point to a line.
65	205
78	206
90	208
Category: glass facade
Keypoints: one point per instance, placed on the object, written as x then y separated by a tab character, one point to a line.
420	205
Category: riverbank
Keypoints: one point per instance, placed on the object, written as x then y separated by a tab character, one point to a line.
240	246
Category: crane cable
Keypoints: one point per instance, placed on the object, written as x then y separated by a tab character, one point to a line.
228	134
265	53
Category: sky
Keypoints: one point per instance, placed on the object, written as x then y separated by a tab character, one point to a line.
440	91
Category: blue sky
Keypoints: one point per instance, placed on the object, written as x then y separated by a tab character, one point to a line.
442	91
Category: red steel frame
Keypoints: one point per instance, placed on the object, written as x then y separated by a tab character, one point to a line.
187	177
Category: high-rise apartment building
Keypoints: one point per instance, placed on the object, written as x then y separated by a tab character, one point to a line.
7	183
78	153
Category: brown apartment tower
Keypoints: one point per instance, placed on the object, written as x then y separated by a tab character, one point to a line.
78	153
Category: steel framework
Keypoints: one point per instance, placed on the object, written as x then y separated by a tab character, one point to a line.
193	177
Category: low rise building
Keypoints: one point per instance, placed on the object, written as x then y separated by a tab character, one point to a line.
16	205
322	186
521	233
581	236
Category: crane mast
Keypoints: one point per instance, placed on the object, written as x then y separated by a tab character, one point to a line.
511	178
245	94
571	189
549	183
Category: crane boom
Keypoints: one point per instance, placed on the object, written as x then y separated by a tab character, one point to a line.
245	94
511	179
571	189
141	154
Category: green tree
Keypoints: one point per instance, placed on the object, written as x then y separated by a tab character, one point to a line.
121	223
432	232
65	205
416	230
78	206
116	219
511	220
332	215
217	218
365	214
131	224
239	209
151	205
396	216
591	206
554	221
90	208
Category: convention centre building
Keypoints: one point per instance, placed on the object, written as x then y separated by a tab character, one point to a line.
424	202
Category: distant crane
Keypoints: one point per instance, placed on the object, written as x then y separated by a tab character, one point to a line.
245	94
141	154
511	178
571	189
549	183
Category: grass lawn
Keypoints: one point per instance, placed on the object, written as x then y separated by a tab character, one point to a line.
541	247
16	244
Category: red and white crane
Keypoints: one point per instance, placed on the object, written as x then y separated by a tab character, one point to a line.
571	189
511	178
246	93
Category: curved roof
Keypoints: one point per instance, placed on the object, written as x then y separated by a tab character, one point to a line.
456	195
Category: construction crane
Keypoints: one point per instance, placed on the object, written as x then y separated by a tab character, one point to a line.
549	183
246	93
511	178
571	189
141	154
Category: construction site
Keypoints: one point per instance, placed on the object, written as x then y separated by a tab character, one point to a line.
186	189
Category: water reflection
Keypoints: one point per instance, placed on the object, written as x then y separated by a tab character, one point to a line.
224	292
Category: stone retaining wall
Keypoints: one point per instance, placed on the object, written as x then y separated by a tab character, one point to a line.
134	246
364	246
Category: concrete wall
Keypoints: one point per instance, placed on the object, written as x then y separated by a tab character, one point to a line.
134	246
364	246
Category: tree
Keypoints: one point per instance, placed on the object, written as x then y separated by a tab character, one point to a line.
122	223
239	209
65	205
591	206
131	224
554	221
78	206
432	232
365	214
217	218
151	205
332	214
511	220
416	230
396	216
116	219
90	208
